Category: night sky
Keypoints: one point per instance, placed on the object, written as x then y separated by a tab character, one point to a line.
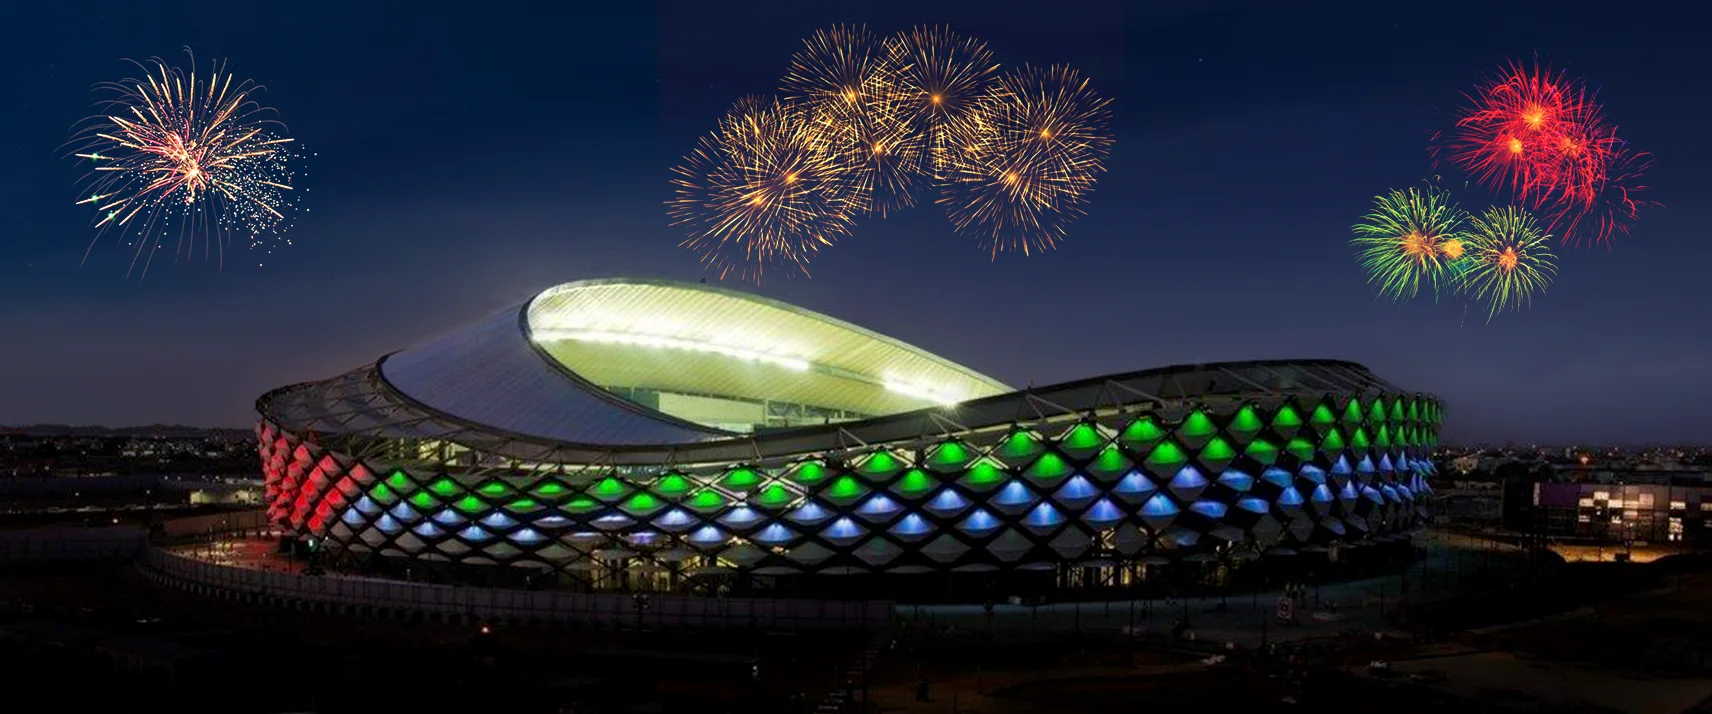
471	154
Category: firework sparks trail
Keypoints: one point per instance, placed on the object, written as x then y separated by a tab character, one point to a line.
1026	156
1412	236
171	147
759	192
1510	259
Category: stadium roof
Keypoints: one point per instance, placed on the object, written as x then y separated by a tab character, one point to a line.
539	369
698	339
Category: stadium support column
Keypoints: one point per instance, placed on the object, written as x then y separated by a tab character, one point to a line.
1265	626
862	644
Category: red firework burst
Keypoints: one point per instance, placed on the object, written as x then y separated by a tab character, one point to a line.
1543	137
1510	134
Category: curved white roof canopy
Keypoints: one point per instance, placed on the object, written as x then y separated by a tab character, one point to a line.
488	374
543	369
694	350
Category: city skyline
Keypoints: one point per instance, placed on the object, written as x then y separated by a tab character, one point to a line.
459	175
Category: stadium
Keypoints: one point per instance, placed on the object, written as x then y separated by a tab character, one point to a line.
647	435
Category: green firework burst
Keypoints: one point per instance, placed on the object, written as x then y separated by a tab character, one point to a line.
1509	257
1412	236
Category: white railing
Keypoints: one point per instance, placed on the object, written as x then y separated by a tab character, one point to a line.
672	611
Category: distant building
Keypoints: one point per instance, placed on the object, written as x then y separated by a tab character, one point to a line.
1519	481
1652	507
226	496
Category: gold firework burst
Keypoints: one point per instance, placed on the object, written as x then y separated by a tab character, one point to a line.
1025	158
858	117
760	192
938	75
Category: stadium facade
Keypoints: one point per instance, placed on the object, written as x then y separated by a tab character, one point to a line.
644	434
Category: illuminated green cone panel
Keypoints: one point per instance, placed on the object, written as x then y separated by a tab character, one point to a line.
1250	476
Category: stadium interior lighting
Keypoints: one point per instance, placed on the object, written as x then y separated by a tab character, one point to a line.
672	343
910	389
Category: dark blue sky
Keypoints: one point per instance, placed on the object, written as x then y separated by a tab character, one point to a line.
471	154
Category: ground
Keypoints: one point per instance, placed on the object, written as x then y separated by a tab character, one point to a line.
276	660
1610	650
1644	653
